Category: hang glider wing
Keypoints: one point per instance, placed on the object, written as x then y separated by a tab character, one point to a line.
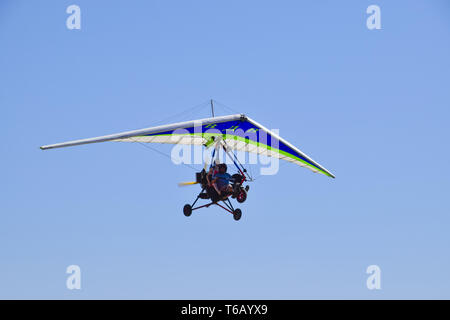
238	131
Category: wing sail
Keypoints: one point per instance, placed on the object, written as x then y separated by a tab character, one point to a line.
238	131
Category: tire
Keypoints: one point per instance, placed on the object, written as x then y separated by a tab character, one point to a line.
242	196
187	210
237	214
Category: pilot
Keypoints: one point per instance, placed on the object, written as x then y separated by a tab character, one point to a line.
211	172
221	180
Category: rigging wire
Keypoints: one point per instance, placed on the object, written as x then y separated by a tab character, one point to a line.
162	153
220	104
183	114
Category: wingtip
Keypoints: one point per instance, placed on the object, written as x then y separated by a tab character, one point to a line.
331	175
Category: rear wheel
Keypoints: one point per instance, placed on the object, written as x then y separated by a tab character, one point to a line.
242	196
237	214
187	210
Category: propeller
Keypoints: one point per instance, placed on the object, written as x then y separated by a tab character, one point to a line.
183	184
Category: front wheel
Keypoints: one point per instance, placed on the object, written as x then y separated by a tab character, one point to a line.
187	210
237	214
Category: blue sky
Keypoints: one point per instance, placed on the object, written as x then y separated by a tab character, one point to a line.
372	106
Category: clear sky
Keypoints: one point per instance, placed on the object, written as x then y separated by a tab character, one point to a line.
372	106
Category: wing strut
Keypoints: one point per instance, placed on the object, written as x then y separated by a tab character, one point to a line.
221	143
236	161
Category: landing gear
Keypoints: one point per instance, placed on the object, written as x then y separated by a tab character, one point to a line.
187	210
226	205
237	214
237	191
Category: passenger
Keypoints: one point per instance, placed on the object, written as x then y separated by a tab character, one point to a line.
221	180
